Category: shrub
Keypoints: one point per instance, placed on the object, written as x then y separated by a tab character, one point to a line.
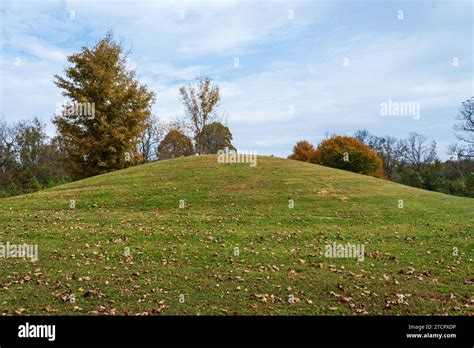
303	151
412	178
469	182
349	154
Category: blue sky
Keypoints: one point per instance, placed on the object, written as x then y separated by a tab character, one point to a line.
291	82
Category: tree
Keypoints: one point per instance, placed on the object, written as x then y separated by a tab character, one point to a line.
413	162
174	145
6	146
363	136
200	100
215	137
29	159
349	154
303	151
418	152
465	130
389	149
411	177
469	185
100	129
9	166
150	138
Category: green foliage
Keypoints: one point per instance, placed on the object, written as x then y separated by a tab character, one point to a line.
175	145
413	161
439	177
214	137
469	185
412	178
29	159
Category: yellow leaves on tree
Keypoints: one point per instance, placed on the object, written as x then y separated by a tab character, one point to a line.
105	137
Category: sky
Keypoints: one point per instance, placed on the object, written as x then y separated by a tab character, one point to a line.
288	70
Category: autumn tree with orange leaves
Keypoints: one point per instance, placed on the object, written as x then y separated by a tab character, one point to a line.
350	154
303	151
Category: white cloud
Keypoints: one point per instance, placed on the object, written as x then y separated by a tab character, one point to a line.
39	49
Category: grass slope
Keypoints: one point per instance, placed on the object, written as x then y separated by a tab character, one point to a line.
236	248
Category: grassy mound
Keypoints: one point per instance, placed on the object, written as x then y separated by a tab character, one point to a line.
236	247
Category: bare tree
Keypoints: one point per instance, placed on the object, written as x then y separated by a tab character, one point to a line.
465	131
389	149
418	151
151	137
200	100
363	136
7	142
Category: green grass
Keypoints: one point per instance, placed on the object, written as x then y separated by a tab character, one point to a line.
409	267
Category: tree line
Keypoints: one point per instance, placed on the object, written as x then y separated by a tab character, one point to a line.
412	161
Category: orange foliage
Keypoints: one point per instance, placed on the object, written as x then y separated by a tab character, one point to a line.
349	154
303	151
